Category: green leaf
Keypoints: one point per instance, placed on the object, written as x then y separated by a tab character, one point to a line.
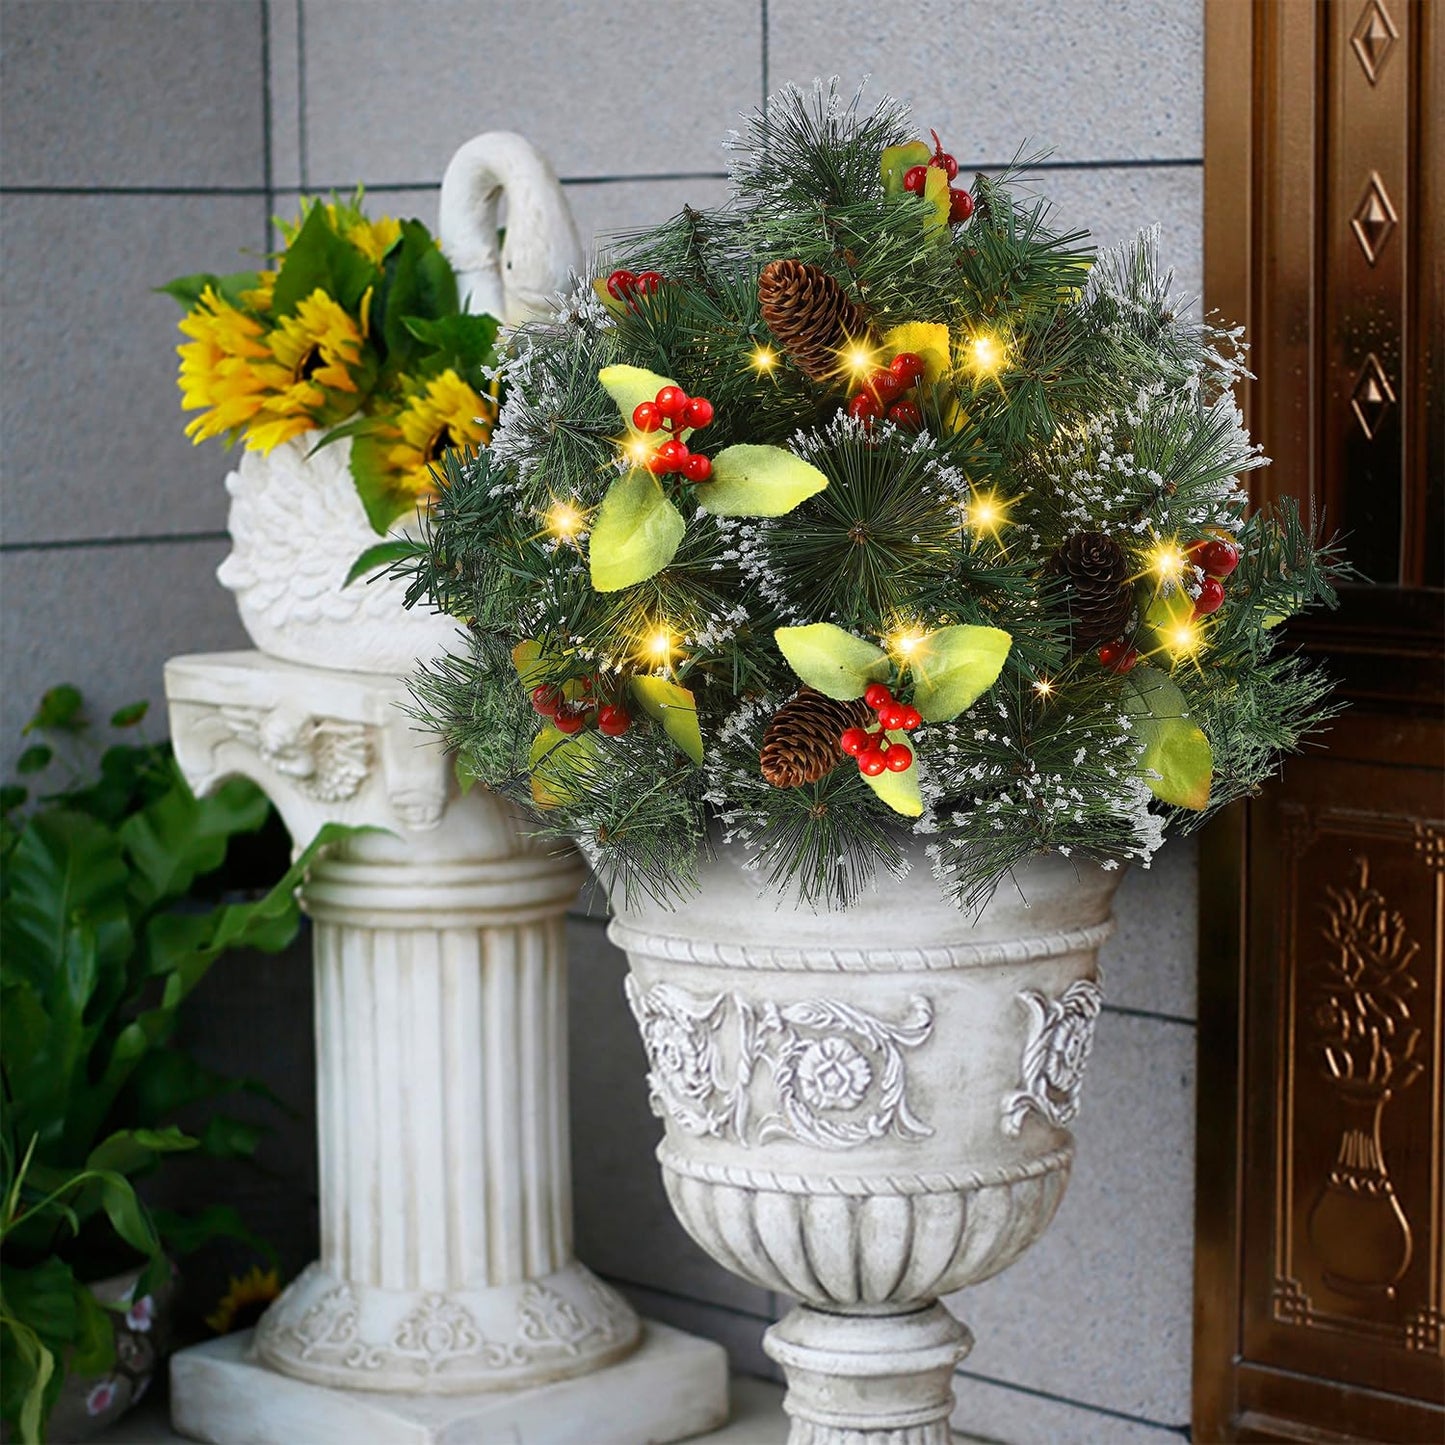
189	289
936	203
758	481
466	773
464	342
417	284
899	790
533	663
127	1215
59	710
559	764
130	715
128	1150
94	1349
672	705
1174	746
629	386
834	662
320	260
384	554
12	795
898	161
186	1233
636	533
34	759
955	666
43	1296
357	426
384	496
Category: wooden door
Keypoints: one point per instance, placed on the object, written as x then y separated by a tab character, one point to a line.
1320	1280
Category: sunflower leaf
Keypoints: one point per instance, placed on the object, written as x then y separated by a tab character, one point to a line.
319	259
636	533
1175	748
672	705
953	667
384	497
834	662
758	481
385	554
899	790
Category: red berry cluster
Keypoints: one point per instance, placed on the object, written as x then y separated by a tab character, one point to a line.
1216	559
673	410
875	753
960	203
624	285
883	391
1119	656
571	717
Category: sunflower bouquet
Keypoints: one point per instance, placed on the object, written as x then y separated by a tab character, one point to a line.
355	331
871	505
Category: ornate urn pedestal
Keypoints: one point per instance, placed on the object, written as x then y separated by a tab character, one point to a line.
867	1111
446	1304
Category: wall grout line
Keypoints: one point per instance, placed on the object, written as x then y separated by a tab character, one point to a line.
1181	1430
267	167
303	159
144	539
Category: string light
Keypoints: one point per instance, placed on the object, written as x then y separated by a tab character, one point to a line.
1183	639
1167	562
987	513
764	359
564	520
637	450
904	642
857	359
986	354
658	645
1044	687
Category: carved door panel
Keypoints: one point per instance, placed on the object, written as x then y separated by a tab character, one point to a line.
1320	1281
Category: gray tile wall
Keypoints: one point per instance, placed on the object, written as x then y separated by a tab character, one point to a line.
144	138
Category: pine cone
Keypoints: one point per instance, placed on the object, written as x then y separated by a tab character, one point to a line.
801	743
1100	596
810	315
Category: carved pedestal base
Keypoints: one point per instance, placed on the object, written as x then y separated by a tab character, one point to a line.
671	1387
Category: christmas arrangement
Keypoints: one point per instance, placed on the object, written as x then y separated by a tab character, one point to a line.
870	504
355	331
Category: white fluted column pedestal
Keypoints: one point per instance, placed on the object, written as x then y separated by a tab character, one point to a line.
446	1304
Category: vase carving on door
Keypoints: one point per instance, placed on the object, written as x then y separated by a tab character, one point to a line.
1369	1045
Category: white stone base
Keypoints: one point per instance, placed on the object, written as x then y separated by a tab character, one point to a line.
672	1387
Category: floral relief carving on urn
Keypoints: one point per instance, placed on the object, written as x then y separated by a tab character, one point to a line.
1061	1037
794	1071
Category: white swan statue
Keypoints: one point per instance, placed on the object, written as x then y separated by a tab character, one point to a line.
296	522
516	281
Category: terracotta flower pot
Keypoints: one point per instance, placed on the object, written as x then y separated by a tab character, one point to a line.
867	1110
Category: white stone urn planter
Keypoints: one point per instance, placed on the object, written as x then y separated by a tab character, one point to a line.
867	1110
296	522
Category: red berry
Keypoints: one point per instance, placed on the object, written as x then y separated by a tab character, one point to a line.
1211	597
697	468
898	758
546	699
854	741
891	715
620	285
697	413
884	387
658	464
914	179
906	414
646	417
863	408
568	719
673	454
872	762
670	402
941	158
912	718
960	207
907	366
646	282
877	696
613	720
1119	656
1218	558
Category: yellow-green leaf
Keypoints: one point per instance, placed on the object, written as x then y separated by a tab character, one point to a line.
899	790
1175	748
898	161
533	665
833	661
558	762
936	202
629	386
927	340
953	667
616	307
758	481
672	705
636	533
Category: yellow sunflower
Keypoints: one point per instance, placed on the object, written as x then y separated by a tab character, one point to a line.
444	412
317	360
245	1300
226	368
372	238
